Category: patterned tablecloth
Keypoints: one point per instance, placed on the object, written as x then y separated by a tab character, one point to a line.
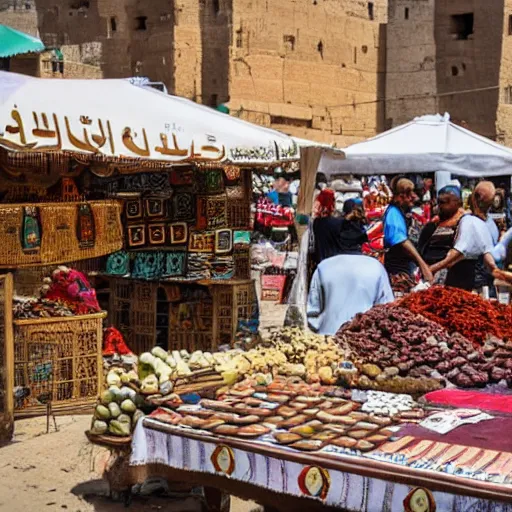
427	477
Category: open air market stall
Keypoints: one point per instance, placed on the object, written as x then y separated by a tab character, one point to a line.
162	193
393	411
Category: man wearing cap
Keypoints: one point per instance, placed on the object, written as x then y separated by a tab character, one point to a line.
281	194
345	285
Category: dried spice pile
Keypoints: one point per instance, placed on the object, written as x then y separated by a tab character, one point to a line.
464	312
400	351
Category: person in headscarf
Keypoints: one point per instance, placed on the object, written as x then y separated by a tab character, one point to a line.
327	228
345	285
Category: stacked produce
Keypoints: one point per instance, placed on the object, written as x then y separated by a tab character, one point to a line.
292	413
397	350
116	413
461	311
314	357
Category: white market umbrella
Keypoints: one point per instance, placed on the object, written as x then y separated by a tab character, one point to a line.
114	119
426	144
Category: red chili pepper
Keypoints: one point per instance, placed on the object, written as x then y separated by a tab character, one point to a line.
464	312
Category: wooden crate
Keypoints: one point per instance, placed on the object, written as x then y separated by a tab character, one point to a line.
6	360
57	358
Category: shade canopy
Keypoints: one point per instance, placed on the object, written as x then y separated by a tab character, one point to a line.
13	42
426	144
114	120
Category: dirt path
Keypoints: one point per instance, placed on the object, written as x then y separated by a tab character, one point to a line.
61	471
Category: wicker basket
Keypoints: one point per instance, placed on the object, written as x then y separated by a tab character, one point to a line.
28	280
6	360
57	359
59	242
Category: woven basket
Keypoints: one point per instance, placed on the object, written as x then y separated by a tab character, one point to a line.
59	242
57	359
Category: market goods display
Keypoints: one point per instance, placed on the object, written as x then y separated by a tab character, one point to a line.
116	413
313	357
290	413
23	308
461	311
66	293
378	402
400	351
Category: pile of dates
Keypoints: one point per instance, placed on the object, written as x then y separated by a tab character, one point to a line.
393	347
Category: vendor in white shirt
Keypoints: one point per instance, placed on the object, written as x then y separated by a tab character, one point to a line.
472	240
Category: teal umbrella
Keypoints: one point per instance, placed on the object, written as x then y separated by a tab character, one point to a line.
14	42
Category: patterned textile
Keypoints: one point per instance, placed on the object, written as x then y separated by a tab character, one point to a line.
347	491
175	264
118	264
148	265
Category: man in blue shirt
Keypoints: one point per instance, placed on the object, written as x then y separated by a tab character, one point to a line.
401	254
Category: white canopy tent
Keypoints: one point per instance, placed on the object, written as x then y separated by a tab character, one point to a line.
112	120
426	144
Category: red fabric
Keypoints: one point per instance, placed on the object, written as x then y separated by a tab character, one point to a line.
269	214
113	343
326	203
471	400
72	288
489	434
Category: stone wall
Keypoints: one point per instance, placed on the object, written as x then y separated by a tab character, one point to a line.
19	14
411	83
504	115
469	50
312	69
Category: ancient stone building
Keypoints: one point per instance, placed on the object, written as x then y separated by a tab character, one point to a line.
19	14
22	15
313	68
451	56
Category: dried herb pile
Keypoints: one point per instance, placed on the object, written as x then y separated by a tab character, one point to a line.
463	312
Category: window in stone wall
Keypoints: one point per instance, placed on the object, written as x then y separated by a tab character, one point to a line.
510	24
239	38
370	11
113	24
507	95
289	42
141	23
461	26
216	6
406	13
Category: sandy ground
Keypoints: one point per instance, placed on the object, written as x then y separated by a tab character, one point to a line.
62	471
